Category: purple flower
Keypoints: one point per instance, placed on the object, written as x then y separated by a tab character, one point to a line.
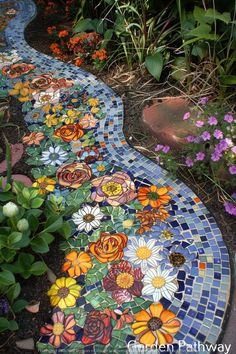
223	145
190	138
189	162
218	134
166	149
232	170
200	156
203	100
159	147
199	123
233	149
216	155
186	115
228	118
212	120
206	136
230	208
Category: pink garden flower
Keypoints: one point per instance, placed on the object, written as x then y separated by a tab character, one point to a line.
232	170
212	120
88	121
115	189
186	115
206	136
200	156
190	138
228	118
199	123
218	134
189	162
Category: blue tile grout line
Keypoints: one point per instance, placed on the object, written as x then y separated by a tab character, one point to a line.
203	302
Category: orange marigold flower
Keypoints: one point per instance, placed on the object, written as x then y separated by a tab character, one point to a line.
153	196
33	138
162	214
79	61
77	263
51	29
55	48
100	54
63	33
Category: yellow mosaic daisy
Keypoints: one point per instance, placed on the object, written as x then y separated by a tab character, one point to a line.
64	292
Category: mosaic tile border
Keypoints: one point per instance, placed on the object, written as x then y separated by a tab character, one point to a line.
202	304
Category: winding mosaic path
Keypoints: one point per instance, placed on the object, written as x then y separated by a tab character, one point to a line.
146	263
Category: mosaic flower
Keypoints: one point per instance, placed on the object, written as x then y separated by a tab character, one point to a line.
45	185
35	116
155	325
126	223
88	218
33	139
16	70
61	331
166	234
93	102
69	132
64	292
88	121
97	328
109	247
73	175
121	317
123	281
51	120
178	257
54	156
149	217
44	97
159	282
77	263
99	168
41	82
89	154
153	196
142	253
70	117
115	189
22	90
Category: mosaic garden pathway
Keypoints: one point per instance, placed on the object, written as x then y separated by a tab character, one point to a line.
146	263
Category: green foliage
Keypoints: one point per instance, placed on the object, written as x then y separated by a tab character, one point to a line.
28	226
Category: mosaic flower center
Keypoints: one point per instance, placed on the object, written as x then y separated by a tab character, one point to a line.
63	292
177	259
154	323
54	156
112	189
45	98
43	185
125	280
152	196
128	223
35	115
58	329
158	282
88	217
143	252
167	234
101	168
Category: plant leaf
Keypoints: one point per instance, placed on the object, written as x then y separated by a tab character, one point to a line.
154	64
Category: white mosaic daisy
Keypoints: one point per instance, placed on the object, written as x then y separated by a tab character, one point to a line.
88	218
159	282
8	58
143	253
54	156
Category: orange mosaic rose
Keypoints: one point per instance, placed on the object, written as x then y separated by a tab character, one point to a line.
69	132
109	247
16	70
73	175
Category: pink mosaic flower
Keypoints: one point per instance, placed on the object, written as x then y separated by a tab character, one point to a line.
115	189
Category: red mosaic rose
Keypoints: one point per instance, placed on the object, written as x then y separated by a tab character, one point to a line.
16	70
89	154
124	282
41	82
97	328
73	175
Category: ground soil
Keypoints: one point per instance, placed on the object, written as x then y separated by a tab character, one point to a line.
137	89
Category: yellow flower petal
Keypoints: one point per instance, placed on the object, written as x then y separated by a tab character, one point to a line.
69	282
156	310
140	329
54	300
147	338
70	300
61	282
62	304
